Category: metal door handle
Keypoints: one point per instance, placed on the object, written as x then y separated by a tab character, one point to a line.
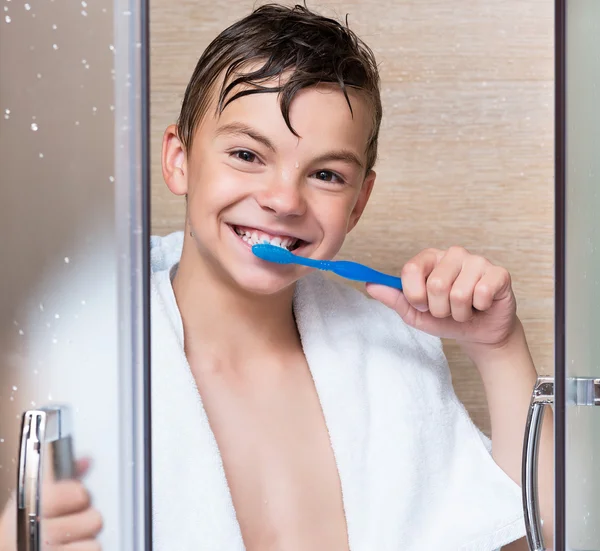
43	431
543	394
581	391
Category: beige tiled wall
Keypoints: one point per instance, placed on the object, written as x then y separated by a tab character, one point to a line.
466	146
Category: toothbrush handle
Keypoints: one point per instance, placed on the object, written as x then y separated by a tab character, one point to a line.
359	272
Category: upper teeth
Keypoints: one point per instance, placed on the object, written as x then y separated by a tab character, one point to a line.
254	237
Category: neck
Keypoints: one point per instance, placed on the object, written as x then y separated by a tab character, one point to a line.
225	323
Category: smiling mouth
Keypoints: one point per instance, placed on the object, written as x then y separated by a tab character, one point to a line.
253	236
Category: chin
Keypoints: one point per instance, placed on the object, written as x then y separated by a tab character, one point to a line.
265	284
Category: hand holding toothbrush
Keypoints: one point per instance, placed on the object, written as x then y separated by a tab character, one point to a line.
454	294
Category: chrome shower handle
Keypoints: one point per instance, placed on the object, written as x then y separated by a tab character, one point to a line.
542	396
43	431
580	391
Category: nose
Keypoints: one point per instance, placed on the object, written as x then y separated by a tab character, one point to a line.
282	197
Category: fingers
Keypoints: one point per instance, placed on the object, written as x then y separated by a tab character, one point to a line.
452	283
72	529
494	285
69	523
87	545
414	278
64	498
463	288
440	284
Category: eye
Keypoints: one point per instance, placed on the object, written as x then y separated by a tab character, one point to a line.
244	155
328	176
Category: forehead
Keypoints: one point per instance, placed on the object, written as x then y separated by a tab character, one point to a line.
320	115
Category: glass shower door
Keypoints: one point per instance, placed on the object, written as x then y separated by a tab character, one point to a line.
582	275
575	390
74	360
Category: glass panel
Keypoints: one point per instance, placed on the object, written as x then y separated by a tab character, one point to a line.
67	279
582	268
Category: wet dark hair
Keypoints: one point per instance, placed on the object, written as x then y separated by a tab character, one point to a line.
276	41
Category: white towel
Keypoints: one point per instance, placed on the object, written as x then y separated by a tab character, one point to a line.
416	474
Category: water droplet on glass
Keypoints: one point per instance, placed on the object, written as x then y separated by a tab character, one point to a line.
56	316
35	371
84	4
49	396
7	114
84	13
111	48
15	388
112	107
39	75
55	46
111	178
12	398
41	307
127	13
1	440
87	65
54	27
33	404
7	19
41	155
21	332
54	340
67	260
83	303
5	8
297	165
27	7
76	123
94	109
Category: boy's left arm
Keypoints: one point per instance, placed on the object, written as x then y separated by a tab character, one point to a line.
453	294
509	376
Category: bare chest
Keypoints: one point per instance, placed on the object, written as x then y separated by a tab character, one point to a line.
278	459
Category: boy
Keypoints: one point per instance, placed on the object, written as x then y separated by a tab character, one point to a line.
290	412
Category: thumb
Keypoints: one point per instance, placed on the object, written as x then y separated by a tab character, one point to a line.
423	321
392	298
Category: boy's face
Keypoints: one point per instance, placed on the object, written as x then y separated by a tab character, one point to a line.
247	178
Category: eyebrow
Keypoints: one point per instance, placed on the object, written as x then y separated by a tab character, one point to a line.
343	155
236	128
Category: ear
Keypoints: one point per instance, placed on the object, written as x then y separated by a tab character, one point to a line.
363	199
174	162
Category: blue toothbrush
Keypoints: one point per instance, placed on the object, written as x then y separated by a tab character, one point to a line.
343	268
